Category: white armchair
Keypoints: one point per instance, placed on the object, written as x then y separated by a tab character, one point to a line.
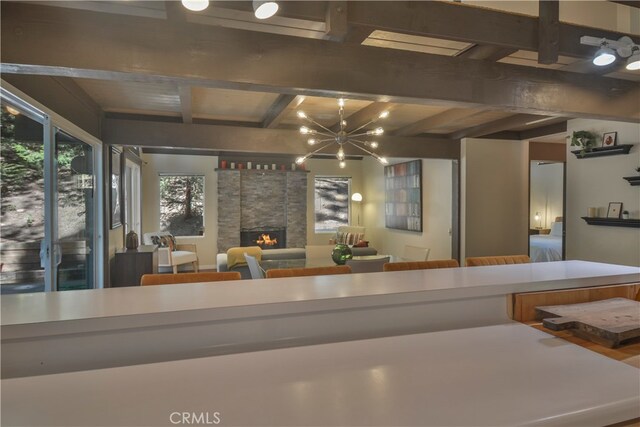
183	253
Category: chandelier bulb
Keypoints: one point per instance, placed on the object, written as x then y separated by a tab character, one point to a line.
343	123
302	114
383	160
378	131
300	160
341	102
305	130
373	145
340	154
311	141
342	164
383	115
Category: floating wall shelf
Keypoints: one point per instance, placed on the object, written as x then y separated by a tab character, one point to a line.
604	151
633	180
613	222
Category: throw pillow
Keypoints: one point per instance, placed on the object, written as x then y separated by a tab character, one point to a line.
362	244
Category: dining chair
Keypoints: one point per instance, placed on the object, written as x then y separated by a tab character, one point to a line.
172	279
367	265
497	260
307	271
415	253
421	265
254	267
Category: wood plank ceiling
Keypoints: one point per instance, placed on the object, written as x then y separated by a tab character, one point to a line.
263	102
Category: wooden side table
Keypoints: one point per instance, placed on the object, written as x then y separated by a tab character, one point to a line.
130	265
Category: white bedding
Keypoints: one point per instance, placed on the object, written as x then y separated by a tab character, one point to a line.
545	247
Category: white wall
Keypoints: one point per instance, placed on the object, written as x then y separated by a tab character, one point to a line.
595	182
494	197
545	193
155	164
329	167
436	209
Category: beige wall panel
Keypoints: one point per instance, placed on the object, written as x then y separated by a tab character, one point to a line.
594	183
494	197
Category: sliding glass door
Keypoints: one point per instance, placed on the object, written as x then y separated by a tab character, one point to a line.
50	202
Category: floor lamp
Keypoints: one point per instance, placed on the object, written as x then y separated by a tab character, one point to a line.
357	198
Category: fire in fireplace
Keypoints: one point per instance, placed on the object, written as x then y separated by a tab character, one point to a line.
265	237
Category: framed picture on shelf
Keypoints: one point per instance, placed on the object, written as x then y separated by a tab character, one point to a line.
609	139
403	196
614	210
114	199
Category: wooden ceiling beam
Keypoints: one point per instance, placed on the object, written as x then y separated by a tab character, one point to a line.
495	126
185	103
364	116
435	121
133	49
630	3
486	52
337	25
256	140
279	109
548	31
473	24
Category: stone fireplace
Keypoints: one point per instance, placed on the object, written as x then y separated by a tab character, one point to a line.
255	200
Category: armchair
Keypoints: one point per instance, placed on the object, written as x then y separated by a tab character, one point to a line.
170	255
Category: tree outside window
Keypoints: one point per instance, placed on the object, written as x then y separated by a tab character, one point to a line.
182	204
331	203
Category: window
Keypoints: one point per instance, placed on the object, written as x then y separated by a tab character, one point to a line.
182	204
331	196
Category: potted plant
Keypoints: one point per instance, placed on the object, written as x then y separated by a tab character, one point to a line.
584	139
625	214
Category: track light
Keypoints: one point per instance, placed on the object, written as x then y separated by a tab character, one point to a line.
264	9
633	63
196	5
624	47
604	56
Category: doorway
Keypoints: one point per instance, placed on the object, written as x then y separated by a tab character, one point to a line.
50	201
546	207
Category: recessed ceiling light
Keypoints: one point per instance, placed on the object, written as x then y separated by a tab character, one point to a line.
264	9
196	5
12	111
633	63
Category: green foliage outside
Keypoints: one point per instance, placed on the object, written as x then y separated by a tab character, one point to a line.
182	205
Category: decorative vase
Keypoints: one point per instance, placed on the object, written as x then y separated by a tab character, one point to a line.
131	241
625	215
341	253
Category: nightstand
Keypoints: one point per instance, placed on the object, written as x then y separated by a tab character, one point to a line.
131	264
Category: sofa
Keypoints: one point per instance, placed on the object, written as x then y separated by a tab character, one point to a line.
280	254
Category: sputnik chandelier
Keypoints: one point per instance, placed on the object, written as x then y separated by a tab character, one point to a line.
342	137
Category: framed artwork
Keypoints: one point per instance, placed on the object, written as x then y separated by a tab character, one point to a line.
114	199
403	196
614	210
609	139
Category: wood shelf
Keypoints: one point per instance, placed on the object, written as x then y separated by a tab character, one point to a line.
603	151
633	180
613	222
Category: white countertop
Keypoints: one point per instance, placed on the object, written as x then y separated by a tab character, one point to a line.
499	375
268	296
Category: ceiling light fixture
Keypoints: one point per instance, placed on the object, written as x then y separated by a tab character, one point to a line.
12	111
196	5
624	47
264	9
633	63
342	137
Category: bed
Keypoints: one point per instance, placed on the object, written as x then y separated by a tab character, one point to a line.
547	247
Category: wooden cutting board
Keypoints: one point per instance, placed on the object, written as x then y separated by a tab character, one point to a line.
610	322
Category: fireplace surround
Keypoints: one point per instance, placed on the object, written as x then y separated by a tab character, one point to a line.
265	237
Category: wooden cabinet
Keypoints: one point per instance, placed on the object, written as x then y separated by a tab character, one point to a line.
533	231
130	265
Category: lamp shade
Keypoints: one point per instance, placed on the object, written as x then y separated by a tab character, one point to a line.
356	197
264	9
196	5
